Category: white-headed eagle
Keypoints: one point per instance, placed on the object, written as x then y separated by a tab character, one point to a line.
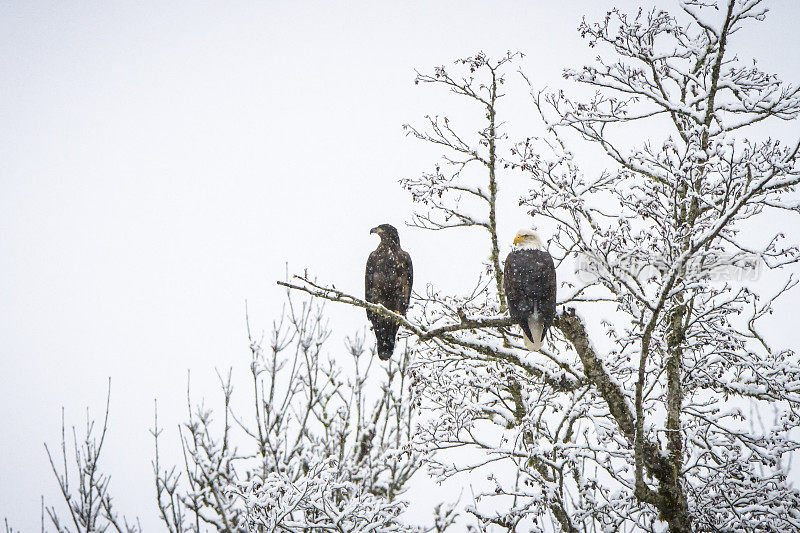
529	281
388	282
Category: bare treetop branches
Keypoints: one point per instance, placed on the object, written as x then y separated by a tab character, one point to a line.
89	504
452	198
664	65
319	453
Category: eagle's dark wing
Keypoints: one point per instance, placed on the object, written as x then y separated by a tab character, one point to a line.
529	280
406	281
370	289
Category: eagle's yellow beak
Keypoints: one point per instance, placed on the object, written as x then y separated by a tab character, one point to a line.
518	239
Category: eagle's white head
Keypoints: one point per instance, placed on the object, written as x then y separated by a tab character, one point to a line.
528	239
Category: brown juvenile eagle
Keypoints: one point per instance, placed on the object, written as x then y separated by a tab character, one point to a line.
529	280
387	282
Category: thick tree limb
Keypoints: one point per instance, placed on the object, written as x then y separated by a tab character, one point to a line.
571	325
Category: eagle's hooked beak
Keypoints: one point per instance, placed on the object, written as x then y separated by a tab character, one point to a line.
374	230
518	239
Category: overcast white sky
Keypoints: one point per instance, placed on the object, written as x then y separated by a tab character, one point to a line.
159	163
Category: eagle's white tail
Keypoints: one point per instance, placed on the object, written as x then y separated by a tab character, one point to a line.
536	326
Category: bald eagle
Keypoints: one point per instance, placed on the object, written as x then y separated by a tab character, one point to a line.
387	282
529	280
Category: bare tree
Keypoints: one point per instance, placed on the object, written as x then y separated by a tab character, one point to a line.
89	505
321	449
654	414
682	205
